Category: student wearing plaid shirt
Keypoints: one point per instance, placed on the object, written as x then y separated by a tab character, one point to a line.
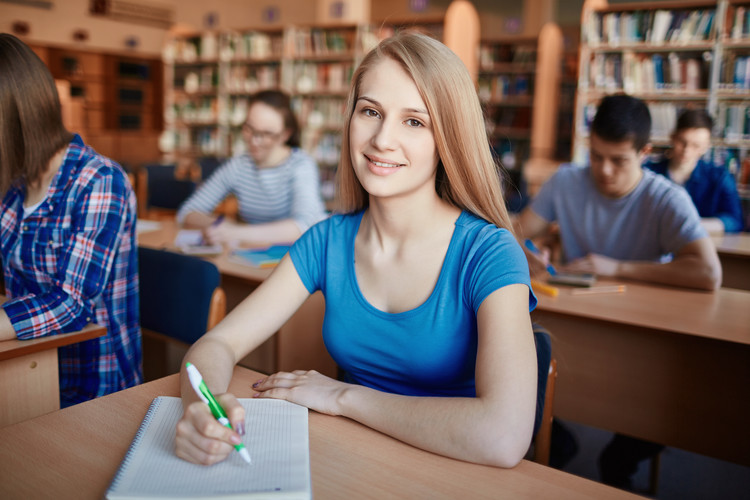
67	235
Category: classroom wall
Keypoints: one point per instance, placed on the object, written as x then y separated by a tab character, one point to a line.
56	26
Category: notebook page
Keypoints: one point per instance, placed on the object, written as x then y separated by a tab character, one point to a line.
277	439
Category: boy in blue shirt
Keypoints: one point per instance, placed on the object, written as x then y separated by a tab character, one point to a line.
711	187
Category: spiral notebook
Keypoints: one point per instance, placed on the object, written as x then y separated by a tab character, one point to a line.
277	440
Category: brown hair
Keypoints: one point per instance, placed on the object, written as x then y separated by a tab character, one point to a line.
31	127
467	175
281	103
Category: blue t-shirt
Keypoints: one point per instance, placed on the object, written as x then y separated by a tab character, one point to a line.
652	222
712	190
427	351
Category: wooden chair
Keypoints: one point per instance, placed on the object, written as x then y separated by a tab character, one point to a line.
181	298
547	375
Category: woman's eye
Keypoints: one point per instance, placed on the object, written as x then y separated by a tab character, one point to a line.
413	123
370	112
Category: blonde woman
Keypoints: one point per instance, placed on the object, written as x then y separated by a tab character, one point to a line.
427	291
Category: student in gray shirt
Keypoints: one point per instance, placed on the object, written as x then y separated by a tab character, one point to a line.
619	220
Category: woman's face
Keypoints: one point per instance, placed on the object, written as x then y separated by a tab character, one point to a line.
391	139
264	132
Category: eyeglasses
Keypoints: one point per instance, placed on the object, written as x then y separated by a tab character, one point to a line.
262	136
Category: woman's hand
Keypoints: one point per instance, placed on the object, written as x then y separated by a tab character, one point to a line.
201	439
224	232
538	262
306	388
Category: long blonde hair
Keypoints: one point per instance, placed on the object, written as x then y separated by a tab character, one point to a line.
467	175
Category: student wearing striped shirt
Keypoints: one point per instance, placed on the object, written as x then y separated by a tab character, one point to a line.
277	184
67	235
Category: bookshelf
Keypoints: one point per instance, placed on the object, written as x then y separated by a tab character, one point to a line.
506	81
209	75
673	55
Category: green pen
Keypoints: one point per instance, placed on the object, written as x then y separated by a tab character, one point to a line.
200	387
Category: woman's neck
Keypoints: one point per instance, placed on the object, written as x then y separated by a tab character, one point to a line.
276	157
398	221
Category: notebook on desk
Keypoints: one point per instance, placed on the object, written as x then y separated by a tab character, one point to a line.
277	440
261	257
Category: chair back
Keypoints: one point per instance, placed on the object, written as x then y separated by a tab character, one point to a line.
180	294
546	377
161	191
208	165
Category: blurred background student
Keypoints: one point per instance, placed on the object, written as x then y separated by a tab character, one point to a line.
67	235
711	187
276	183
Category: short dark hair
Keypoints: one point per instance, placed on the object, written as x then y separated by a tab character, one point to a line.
31	128
622	118
280	102
694	118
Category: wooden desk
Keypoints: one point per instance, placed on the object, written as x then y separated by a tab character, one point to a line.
29	379
298	345
659	363
734	253
74	453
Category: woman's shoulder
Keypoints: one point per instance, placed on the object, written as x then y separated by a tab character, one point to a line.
478	230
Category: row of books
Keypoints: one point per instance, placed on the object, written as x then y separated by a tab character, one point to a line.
502	87
633	72
735	72
321	113
203	110
253	45
736	160
741	23
510	118
315	41
205	141
206	79
203	48
249	79
650	26
492	54
306	78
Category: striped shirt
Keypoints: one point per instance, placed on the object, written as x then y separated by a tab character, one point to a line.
72	261
288	191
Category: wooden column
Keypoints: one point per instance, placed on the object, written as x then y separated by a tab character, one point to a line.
461	34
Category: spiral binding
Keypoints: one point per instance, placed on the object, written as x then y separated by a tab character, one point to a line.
136	440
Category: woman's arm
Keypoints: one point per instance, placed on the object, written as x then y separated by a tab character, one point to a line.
200	438
280	231
493	428
79	259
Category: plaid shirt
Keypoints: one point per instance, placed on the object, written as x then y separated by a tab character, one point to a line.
73	261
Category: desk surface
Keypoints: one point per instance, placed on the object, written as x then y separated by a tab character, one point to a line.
75	452
737	244
164	238
722	315
15	348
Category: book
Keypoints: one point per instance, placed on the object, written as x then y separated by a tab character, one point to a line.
261	257
277	439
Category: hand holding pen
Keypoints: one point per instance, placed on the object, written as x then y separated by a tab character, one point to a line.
215	223
201	389
534	250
